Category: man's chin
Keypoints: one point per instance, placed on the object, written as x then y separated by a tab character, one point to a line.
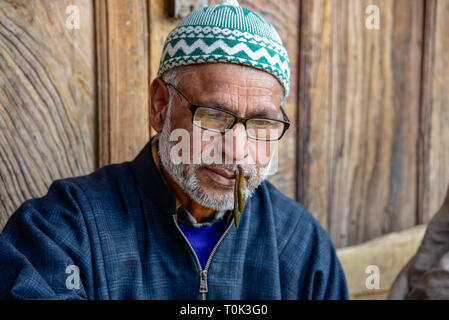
215	196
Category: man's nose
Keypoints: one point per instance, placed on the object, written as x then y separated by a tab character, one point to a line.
239	140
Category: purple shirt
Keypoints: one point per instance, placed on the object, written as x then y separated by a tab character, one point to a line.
203	239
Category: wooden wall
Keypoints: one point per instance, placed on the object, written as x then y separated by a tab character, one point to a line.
47	98
368	152
358	127
433	143
372	116
122	79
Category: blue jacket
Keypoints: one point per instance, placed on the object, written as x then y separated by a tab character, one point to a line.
115	229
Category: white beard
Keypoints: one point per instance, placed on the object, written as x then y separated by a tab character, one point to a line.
186	176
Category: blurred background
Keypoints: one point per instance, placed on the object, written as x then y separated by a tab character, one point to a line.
368	152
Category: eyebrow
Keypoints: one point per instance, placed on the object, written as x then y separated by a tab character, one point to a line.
264	112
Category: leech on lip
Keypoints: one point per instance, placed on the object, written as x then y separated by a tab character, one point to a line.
239	195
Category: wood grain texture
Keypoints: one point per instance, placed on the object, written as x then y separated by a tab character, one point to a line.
390	253
358	117
47	105
314	112
434	113
159	25
122	79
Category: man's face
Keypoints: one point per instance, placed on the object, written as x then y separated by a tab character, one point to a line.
244	91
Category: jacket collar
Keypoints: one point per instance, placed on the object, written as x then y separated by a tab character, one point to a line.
150	180
149	177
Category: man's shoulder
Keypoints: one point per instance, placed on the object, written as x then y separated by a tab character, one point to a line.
81	193
293	221
307	258
101	180
73	197
284	209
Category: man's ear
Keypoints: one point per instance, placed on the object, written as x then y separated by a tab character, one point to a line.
159	98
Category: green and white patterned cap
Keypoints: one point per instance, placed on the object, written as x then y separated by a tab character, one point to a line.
227	33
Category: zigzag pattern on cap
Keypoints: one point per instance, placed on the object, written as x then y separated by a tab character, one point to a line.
235	53
220	44
225	33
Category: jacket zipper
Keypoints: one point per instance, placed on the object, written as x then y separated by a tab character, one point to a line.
203	273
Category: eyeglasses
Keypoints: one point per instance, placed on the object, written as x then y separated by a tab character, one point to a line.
220	120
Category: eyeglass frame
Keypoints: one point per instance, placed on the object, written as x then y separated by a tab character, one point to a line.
237	119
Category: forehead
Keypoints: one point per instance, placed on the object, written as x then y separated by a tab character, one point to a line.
231	79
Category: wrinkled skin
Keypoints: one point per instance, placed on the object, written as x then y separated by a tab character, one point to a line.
242	90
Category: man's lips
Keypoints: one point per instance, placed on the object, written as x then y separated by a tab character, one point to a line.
225	173
221	176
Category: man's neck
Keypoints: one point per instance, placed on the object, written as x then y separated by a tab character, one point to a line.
200	213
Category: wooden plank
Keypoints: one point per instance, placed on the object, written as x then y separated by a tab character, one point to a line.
390	253
47	105
434	113
160	25
123	86
314	113
359	131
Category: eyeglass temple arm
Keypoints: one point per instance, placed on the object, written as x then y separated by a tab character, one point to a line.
180	96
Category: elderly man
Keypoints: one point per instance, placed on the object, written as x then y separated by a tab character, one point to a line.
160	228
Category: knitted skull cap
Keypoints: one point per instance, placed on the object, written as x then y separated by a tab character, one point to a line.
227	33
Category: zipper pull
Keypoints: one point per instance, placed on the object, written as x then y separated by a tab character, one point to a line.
203	281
